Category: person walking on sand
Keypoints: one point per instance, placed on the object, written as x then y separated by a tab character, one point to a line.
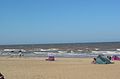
1	76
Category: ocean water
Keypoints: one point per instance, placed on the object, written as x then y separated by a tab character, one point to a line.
44	54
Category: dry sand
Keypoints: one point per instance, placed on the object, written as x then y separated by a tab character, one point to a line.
62	68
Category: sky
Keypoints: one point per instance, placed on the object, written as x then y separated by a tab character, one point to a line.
59	21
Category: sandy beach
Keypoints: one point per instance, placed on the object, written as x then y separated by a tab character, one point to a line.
62	68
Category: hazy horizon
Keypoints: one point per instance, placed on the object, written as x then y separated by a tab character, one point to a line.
61	42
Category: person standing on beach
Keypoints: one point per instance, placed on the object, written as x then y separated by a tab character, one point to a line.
94	61
1	76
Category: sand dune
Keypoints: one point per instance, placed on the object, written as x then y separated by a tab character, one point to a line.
62	68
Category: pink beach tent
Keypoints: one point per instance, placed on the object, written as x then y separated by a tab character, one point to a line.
115	57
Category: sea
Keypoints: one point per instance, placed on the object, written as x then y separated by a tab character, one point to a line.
46	54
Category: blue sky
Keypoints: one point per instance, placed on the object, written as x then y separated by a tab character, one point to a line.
59	21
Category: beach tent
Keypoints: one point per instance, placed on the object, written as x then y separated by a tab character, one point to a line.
51	57
115	57
101	59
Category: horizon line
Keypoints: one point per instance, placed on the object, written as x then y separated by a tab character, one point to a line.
60	43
